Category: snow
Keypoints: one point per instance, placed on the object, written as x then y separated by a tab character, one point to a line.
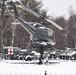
62	68
71	53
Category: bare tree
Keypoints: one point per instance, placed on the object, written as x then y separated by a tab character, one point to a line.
72	27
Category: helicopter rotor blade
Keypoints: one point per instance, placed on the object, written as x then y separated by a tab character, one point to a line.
39	16
31	23
32	12
29	10
56	25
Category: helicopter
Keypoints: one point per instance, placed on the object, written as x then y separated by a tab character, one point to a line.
40	36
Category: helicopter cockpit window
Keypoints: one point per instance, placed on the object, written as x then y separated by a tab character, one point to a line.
41	31
50	33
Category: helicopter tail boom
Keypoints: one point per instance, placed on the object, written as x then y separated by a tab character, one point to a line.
29	28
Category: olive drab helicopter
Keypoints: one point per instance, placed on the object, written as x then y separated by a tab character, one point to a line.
41	36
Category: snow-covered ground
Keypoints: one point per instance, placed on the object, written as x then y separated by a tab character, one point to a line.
62	68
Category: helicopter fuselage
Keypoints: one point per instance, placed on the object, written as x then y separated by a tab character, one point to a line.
38	32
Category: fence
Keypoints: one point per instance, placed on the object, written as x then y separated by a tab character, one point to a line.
45	73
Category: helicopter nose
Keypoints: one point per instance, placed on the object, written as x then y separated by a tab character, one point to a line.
52	42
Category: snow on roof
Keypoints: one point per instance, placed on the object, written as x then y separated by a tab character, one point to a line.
37	54
33	52
42	27
10	47
23	50
53	52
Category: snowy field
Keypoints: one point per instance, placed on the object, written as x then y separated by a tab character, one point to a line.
62	68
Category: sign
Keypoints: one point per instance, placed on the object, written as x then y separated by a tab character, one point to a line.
10	51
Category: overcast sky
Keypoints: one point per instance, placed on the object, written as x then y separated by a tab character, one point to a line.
59	7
